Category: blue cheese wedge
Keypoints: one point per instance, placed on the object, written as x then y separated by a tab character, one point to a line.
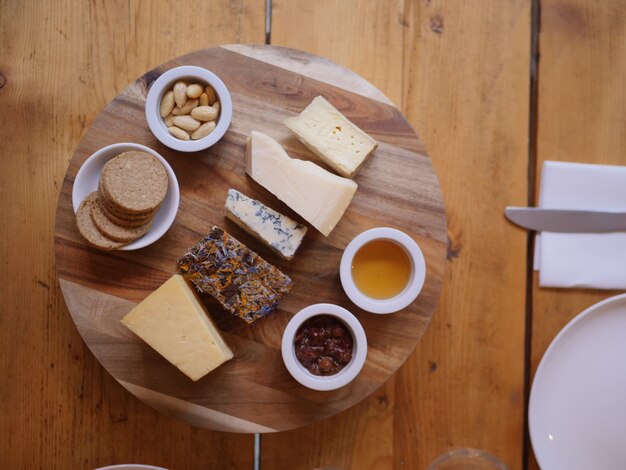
319	196
274	229
332	137
176	324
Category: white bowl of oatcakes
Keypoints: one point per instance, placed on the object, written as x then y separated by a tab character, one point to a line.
194	78
125	197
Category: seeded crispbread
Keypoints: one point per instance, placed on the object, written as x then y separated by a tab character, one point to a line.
88	229
114	231
134	182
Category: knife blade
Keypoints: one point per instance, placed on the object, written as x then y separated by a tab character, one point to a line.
567	221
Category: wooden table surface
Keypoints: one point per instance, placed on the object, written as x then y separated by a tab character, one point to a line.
489	102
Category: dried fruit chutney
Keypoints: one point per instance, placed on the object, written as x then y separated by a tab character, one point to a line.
323	345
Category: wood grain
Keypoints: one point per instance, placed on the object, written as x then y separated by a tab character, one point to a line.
367	37
580	119
460	73
64	61
362	35
61	63
471	105
396	187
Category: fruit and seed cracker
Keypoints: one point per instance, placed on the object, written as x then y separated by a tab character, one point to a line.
240	280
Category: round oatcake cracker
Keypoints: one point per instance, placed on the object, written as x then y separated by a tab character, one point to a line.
121	213
88	229
114	231
134	182
121	219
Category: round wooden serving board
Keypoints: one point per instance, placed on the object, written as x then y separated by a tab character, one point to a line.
254	392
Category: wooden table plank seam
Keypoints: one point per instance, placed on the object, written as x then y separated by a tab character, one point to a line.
530	244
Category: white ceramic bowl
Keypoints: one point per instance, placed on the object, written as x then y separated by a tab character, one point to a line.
88	176
413	287
345	375
165	83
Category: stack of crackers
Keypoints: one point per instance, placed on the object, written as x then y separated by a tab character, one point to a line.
131	190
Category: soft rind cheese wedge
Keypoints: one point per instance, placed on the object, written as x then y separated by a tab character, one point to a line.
332	137
176	324
319	196
276	230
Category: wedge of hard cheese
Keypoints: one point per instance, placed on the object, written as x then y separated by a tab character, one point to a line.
319	196
175	323
332	137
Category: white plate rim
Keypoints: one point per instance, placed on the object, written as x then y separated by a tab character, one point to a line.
532	427
130	466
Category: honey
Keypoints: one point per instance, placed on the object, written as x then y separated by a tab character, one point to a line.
381	269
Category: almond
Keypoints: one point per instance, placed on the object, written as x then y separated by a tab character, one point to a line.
194	91
204	130
186	122
204	113
178	133
167	103
185	109
180	94
210	92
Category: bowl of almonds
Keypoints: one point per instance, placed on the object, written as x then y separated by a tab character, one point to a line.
188	108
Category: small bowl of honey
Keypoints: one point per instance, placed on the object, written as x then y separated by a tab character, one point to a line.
382	270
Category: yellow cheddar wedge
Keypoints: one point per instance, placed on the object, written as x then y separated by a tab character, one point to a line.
176	324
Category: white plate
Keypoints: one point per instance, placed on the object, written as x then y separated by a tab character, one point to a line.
577	410
131	467
88	176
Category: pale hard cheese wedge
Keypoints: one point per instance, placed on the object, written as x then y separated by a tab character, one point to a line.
332	137
319	196
276	230
175	323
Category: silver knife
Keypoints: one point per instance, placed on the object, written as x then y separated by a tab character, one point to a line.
563	220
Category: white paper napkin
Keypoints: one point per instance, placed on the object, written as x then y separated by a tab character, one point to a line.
596	260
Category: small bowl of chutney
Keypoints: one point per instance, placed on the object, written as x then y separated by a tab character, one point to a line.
382	270
324	347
